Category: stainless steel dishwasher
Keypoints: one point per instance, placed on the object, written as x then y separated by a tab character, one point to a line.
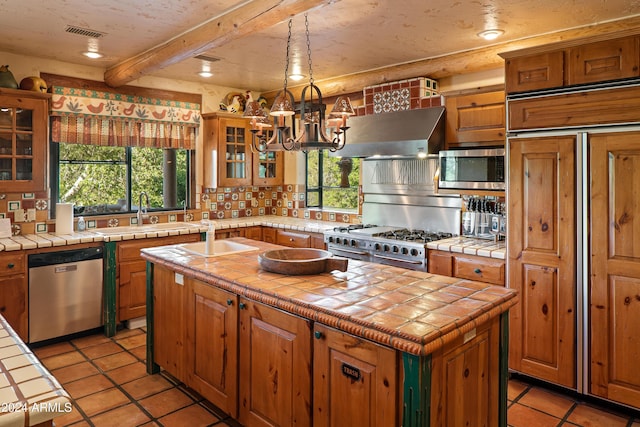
65	292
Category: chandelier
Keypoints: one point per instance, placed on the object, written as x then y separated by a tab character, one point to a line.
313	131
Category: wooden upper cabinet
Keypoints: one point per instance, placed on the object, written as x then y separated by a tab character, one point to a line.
572	63
475	120
24	130
534	72
607	60
229	159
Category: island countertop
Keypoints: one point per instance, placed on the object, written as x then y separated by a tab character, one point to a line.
414	312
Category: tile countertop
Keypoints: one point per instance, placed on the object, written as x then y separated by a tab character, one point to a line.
412	311
29	394
471	246
46	240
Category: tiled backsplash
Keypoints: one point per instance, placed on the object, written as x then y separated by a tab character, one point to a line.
411	94
29	212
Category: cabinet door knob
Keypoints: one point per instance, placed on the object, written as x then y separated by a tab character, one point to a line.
291	239
477	271
229	301
242	306
11	265
317	334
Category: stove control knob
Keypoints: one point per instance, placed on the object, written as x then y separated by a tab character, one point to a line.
404	251
396	249
353	243
377	246
330	239
414	252
386	248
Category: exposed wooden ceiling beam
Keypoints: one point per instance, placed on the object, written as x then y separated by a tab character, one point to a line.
252	17
463	62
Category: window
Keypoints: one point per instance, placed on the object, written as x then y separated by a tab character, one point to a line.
104	179
332	182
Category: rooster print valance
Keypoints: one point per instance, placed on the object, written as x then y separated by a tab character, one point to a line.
83	116
67	101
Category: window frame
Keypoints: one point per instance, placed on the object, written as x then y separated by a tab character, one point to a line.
54	179
321	187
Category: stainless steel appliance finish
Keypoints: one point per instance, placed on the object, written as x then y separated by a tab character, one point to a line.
477	169
401	193
65	292
395	246
401	133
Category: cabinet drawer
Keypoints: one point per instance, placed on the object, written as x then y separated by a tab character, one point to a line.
269	235
294	240
12	263
482	270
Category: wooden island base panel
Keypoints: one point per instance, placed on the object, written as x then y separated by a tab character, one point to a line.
373	346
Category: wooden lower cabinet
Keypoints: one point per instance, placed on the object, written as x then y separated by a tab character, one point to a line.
212	344
275	367
465	380
131	273
355	382
169	321
14	286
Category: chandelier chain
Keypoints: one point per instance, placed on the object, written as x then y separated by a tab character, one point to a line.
306	24
286	67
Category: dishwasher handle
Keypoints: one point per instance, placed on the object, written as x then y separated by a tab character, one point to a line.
64	257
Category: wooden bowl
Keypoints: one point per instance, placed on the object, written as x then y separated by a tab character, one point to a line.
300	261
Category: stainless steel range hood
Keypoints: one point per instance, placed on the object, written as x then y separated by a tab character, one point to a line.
397	134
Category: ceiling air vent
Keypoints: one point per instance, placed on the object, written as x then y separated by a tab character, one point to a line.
84	32
207	58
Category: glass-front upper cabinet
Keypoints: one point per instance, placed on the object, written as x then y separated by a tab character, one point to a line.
234	153
268	168
23	140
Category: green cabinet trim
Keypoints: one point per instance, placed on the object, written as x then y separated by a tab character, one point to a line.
416	410
109	289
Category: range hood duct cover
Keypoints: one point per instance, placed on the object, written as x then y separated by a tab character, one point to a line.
396	134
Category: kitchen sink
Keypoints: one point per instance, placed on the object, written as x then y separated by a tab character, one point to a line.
148	228
221	247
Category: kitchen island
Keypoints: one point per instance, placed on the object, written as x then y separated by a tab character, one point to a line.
375	345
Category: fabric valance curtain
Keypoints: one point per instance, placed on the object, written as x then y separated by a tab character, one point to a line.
81	116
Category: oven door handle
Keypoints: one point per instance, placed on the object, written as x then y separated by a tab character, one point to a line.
397	259
351	252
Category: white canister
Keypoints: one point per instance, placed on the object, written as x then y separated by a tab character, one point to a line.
64	218
210	240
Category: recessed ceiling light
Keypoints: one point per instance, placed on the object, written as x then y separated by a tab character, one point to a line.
92	55
296	77
490	34
205	74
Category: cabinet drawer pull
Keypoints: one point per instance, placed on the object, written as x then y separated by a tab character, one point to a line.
242	306
317	334
291	239
477	271
229	301
11	265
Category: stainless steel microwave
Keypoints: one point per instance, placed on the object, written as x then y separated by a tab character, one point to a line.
477	169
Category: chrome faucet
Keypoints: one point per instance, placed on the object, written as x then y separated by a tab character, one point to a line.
142	211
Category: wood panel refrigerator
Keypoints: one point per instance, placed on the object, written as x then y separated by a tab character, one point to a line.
574	254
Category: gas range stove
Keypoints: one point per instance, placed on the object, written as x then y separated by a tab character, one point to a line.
396	246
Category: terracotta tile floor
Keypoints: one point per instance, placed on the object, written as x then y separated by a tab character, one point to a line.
107	379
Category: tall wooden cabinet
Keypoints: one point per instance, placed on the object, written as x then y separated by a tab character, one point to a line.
542	257
614	285
229	158
24	130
